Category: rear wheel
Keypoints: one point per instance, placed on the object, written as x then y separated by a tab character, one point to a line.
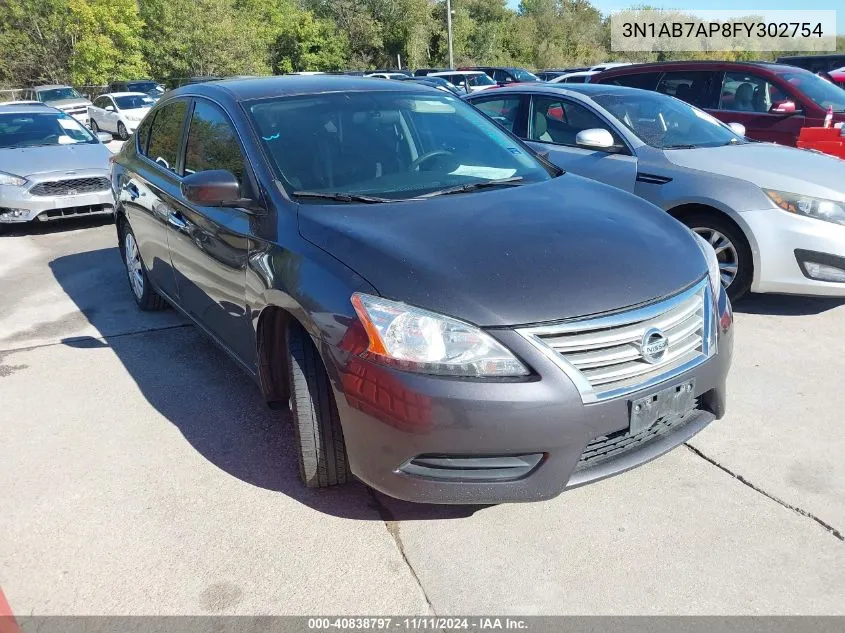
319	437
736	265
145	296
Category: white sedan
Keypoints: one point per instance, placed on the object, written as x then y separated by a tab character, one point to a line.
119	112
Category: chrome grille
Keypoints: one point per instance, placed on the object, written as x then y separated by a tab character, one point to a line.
70	187
604	356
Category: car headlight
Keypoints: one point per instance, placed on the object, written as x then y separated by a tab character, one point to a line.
818	208
712	263
11	179
417	340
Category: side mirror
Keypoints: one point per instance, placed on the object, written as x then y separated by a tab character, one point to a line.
784	107
109	108
594	138
212	188
104	137
737	128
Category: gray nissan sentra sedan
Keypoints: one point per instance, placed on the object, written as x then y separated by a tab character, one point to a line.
450	318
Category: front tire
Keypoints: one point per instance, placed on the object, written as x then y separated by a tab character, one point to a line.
94	127
736	263
139	283
319	437
122	132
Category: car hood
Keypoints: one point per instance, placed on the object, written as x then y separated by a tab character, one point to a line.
530	254
27	161
769	166
67	104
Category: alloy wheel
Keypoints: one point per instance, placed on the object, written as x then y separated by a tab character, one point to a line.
726	253
134	268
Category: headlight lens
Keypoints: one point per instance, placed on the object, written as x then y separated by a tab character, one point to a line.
818	208
712	263
10	179
414	339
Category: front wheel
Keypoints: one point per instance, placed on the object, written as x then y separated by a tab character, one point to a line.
94	127
736	265
122	132
145	296
319	437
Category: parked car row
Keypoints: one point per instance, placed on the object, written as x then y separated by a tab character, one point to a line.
480	299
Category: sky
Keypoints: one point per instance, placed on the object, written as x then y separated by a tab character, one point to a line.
607	6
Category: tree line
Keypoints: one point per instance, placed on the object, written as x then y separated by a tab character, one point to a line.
92	42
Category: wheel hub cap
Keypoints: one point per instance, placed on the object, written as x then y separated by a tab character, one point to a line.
725	252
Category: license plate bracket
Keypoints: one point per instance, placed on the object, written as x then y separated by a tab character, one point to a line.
675	401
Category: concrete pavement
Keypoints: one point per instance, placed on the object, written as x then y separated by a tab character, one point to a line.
141	474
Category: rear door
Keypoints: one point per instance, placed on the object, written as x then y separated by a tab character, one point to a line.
751	99
150	186
210	245
553	124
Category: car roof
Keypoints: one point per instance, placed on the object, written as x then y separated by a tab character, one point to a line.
123	94
26	108
289	85
659	66
582	90
50	86
457	72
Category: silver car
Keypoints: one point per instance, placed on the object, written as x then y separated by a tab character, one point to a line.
775	215
51	166
65	98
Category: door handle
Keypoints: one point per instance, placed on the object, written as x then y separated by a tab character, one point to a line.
176	220
132	191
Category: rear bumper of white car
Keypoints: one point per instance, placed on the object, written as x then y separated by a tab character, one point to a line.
785	243
55	196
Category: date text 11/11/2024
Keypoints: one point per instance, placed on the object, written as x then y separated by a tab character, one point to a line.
431	623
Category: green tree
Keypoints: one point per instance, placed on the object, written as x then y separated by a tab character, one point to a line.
309	43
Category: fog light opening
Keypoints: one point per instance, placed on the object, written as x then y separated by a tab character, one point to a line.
824	272
13	214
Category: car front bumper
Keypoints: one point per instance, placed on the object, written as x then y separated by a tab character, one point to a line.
777	236
396	423
18	204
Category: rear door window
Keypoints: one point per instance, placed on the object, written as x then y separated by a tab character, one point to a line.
504	111
166	134
692	86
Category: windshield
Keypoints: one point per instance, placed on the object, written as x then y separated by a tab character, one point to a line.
523	75
141	86
388	144
665	122
820	91
131	102
57	94
38	130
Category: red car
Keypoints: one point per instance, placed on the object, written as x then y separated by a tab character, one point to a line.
772	101
838	76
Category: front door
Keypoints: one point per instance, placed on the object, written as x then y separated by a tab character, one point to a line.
209	246
752	100
553	125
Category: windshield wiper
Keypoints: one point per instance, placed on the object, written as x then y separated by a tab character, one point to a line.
341	197
472	186
680	146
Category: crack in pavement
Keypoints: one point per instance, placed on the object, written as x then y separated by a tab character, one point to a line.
74	339
392	526
809	515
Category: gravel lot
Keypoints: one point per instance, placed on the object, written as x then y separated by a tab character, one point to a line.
141	474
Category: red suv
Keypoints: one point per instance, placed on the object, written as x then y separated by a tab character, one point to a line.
772	101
